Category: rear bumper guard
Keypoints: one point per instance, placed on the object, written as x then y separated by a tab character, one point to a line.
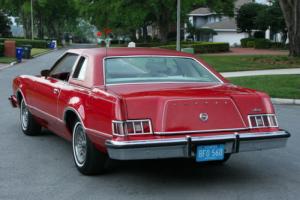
185	147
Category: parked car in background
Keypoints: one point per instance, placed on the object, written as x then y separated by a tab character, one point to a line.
139	103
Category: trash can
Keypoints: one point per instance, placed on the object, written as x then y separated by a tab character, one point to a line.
19	53
49	44
27	51
188	50
53	44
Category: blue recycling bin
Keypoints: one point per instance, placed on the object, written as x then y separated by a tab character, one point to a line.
19	53
52	44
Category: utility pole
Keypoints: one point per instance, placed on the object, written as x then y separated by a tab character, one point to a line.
32	21
178	25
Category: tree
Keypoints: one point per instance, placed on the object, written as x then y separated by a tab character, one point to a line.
52	17
272	18
127	16
291	13
247	15
4	25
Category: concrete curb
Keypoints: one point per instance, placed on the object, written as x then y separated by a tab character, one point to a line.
9	65
44	53
15	62
285	101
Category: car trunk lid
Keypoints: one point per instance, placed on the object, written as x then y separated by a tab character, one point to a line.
181	108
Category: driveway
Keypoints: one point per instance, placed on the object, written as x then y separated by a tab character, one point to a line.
42	167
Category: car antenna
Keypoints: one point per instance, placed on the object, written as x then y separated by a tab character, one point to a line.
104	71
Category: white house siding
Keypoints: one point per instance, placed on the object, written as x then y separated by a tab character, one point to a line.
232	37
200	21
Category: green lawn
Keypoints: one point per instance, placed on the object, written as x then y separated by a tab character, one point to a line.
36	51
250	62
279	86
7	60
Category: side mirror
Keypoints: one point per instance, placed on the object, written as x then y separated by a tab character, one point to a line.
45	72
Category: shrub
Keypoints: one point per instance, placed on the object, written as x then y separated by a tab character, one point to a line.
259	34
262	44
244	41
211	47
279	45
202	47
250	44
1	49
153	44
33	43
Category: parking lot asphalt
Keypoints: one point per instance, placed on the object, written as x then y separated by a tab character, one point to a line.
42	167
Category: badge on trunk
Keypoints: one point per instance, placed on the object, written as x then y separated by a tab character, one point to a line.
203	117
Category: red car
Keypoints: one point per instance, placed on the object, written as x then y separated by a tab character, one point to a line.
138	103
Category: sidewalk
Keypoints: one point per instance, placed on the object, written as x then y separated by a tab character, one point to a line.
262	72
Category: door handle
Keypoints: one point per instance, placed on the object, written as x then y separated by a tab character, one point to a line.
55	91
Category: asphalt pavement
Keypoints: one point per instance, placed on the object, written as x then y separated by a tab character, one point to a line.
42	167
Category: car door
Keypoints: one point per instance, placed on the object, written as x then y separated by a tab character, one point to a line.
47	89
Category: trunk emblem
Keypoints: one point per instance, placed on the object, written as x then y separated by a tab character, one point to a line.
203	117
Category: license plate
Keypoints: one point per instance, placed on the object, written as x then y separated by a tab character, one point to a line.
210	152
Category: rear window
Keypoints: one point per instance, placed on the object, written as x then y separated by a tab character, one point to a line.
155	69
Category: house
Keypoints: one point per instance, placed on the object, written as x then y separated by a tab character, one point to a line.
224	26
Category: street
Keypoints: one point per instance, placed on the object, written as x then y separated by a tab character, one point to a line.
42	167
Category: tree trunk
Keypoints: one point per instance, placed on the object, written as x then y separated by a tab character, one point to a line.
163	32
145	33
291	12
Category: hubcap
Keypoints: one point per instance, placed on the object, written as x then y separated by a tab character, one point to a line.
24	116
79	145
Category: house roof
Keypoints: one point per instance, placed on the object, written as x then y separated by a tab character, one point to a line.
225	24
203	11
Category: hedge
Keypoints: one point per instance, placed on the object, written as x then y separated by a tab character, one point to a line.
203	47
279	45
262	44
1	49
152	44
245	41
250	44
33	43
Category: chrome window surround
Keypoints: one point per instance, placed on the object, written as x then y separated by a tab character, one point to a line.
159	56
261	117
133	122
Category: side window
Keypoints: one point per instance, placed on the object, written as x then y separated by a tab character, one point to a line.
80	70
63	68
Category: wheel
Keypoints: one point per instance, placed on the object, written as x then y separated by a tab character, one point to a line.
29	125
88	159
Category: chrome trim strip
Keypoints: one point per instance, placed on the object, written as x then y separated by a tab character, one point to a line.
99	133
19	90
200	131
63	121
45	113
160	56
88	129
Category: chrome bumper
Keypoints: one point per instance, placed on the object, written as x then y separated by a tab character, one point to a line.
185	147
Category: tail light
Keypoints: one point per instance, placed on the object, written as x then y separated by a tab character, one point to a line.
262	121
132	127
